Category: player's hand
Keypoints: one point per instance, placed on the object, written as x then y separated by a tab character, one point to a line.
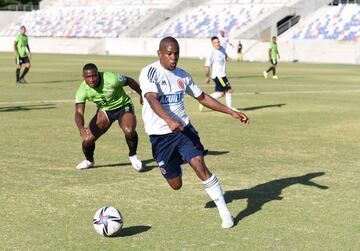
175	126
29	55
84	133
207	80
241	116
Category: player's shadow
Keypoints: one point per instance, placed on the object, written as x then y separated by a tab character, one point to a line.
261	194
22	108
215	153
129	231
252	108
146	165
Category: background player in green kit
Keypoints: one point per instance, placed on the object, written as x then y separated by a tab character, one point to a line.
105	89
273	56
22	54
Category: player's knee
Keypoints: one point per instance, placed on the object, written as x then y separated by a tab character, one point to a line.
129	131
89	142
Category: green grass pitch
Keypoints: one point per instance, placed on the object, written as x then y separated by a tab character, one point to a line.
291	178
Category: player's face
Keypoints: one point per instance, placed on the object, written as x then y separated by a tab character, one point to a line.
274	39
216	43
22	30
169	56
91	77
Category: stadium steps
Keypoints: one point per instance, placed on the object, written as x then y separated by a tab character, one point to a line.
158	17
266	27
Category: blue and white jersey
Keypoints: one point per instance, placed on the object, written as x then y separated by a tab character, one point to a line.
171	87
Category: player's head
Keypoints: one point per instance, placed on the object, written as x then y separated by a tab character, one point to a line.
273	39
23	30
168	53
215	42
90	75
222	33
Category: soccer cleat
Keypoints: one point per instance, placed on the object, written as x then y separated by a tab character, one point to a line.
227	221
201	107
265	74
85	165
23	81
136	162
275	77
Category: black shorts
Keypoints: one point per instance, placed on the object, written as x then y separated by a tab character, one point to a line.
111	116
222	84
22	60
273	61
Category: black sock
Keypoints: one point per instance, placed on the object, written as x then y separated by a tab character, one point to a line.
17	75
274	71
24	72
88	152
132	144
269	69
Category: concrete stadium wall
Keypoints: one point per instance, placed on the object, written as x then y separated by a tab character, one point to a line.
303	51
7	18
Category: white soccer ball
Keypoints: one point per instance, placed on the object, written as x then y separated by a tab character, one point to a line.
108	221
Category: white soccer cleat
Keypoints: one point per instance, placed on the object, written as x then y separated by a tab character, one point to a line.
136	162
275	77
227	221
84	165
265	74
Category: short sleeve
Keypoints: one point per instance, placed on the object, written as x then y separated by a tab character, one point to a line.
80	96
121	79
209	60
192	89
147	80
17	38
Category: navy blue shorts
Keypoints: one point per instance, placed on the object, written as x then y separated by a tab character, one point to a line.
171	150
112	116
22	60
222	84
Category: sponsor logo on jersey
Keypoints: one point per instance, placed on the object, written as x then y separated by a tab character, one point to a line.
163	82
110	91
121	78
172	98
180	83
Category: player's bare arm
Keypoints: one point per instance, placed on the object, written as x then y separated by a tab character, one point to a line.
28	47
209	102
175	126
135	86
79	120
15	49
207	74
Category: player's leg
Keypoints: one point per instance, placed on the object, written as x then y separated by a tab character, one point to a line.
210	182
98	125
26	70
274	69
18	69
127	123
217	94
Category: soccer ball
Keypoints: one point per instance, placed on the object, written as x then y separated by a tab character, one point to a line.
108	221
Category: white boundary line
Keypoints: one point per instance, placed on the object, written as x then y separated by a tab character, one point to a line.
235	94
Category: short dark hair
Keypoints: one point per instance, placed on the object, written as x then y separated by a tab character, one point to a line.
213	38
90	66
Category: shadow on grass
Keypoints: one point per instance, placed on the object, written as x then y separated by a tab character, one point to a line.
21	108
146	165
130	231
261	194
252	108
216	153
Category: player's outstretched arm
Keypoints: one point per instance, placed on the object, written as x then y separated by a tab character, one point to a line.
207	74
213	104
135	86
175	126
79	119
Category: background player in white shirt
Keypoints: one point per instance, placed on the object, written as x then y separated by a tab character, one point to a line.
172	136
224	39
216	63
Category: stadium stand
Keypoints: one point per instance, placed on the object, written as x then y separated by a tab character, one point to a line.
340	22
85	18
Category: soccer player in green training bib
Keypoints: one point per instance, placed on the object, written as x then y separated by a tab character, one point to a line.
22	55
105	89
274	55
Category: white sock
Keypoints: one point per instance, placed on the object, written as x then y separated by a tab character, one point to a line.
228	98
216	95
213	188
